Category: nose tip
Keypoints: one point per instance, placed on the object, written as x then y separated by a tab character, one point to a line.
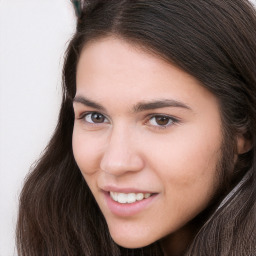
121	156
117	166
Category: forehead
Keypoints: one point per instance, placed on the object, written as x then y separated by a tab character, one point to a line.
113	70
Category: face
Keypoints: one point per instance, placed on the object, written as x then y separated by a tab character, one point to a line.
147	139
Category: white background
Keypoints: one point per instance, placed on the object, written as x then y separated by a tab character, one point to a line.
33	38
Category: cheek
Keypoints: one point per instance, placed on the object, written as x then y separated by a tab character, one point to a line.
189	177
188	166
86	152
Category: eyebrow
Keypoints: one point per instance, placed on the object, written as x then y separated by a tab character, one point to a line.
139	107
162	103
87	102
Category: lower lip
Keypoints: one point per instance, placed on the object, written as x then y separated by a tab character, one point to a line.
125	210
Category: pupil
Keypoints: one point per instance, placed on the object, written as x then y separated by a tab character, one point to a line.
161	120
97	118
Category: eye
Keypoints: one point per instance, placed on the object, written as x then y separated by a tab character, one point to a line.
94	118
162	121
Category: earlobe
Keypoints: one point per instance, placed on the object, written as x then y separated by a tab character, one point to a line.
243	144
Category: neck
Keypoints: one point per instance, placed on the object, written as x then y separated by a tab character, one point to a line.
177	243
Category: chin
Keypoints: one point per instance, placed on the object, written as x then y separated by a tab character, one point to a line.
130	244
131	241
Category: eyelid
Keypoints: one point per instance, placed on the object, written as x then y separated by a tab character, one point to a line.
174	120
83	115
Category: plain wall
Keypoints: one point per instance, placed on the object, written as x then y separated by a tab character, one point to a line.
33	38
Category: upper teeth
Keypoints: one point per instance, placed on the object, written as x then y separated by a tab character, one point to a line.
128	198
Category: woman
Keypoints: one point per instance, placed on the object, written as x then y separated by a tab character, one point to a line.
154	151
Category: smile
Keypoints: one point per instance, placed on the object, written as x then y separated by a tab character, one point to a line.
125	204
128	198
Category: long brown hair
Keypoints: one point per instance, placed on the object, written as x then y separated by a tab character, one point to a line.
214	41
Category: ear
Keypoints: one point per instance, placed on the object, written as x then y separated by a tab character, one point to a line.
243	144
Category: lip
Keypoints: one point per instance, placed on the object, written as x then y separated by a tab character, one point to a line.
125	190
126	210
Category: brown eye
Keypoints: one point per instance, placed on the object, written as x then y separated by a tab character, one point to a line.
95	117
161	120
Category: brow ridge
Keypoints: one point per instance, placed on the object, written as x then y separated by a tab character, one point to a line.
87	102
143	106
139	107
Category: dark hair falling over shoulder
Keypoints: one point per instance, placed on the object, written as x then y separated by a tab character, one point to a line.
214	41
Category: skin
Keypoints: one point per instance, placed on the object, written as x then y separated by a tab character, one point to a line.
128	148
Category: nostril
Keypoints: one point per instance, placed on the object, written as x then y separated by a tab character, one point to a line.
117	162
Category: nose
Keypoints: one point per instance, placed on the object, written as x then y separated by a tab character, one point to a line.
121	154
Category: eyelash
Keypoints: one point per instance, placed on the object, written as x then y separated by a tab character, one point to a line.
87	114
171	120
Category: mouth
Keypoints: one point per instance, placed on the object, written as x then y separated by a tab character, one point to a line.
125	204
128	198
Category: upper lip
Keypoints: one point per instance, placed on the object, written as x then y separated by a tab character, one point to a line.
125	190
